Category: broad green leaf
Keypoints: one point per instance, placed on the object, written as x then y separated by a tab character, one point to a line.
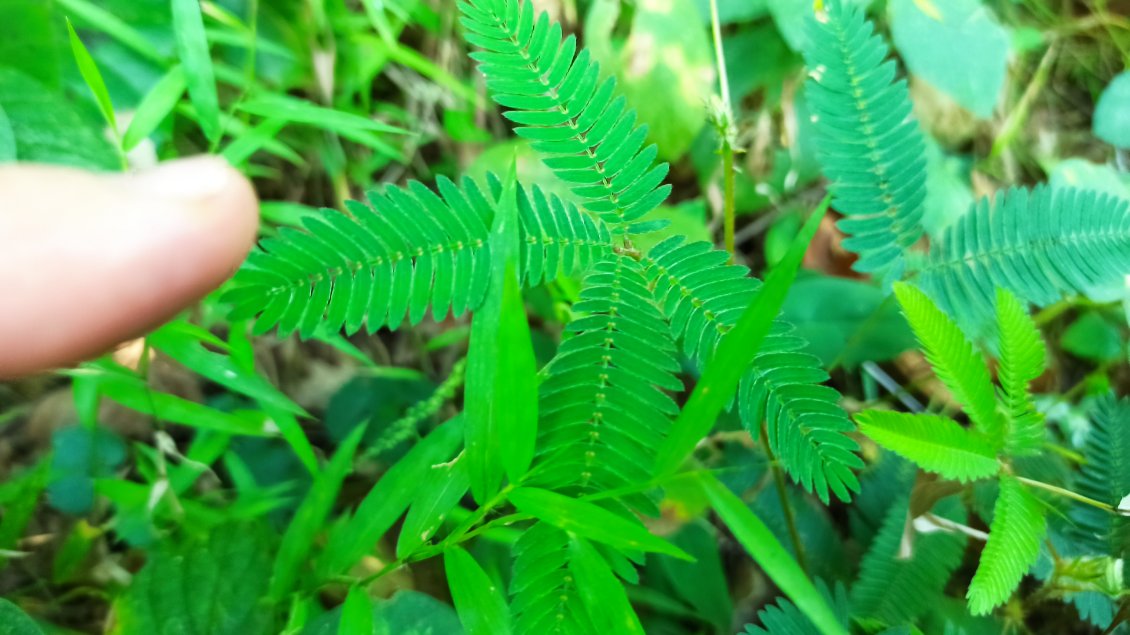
79	455
192	50
590	521
356	613
955	362
155	107
388	499
295	110
936	444
1021	361
602	593
406	613
1112	112
659	56
13	621
480	602
1093	337
846	322
702	583
440	491
47	127
770	555
311	516
501	393
715	389
93	78
956	45
210	586
1013	546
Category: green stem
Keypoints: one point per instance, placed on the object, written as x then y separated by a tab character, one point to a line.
1066	493
786	505
728	197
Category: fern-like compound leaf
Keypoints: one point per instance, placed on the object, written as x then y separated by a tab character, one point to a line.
1039	244
934	443
784	618
545	598
1105	477
574	118
1021	360
871	149
900	579
605	406
408	250
1014	543
953	358
702	298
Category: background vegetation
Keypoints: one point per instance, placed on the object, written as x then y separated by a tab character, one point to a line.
149	489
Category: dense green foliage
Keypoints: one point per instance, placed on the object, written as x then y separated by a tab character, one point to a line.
518	389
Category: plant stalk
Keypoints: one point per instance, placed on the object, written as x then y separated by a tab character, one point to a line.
786	505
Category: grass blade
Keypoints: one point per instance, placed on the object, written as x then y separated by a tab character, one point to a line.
603	595
735	352
311	516
771	556
93	78
154	107
192	49
591	521
478	600
501	389
390	497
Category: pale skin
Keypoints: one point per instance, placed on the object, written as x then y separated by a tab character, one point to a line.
90	260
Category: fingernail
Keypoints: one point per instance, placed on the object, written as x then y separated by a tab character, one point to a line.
194	179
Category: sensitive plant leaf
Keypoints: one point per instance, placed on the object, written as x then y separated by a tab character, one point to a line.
605	405
192	50
157	104
7	138
209	586
591	521
441	490
1105	476
1041	244
870	146
310	517
480	603
501	386
1013	546
388	499
585	133
953	358
784	618
13	621
93	77
905	571
356	613
601	592
935	443
1021	361
771	556
715	389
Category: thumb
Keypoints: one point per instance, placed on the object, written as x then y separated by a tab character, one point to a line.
89	260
